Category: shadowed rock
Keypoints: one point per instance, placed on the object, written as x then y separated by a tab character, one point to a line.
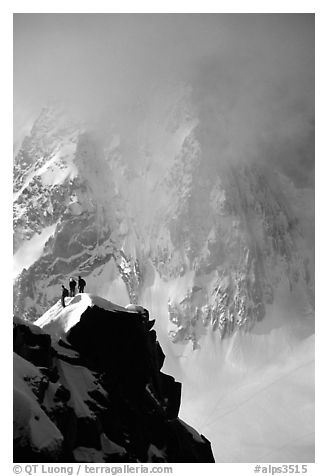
101	394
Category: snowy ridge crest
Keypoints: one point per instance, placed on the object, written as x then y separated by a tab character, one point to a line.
92	390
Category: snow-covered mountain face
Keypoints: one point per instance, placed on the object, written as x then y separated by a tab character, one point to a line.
217	246
156	206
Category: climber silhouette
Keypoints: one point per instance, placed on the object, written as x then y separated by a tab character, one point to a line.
65	293
72	286
81	284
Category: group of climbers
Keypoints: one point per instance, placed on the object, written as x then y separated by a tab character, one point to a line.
153	388
72	285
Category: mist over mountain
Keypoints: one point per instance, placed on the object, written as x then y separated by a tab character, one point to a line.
252	76
169	160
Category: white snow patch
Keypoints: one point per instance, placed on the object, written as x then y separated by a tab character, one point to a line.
91	455
31	425
109	447
79	381
26	183
58	320
31	250
107	282
135	308
155	453
51	174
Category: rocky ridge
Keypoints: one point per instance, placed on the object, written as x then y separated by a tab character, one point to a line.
88	388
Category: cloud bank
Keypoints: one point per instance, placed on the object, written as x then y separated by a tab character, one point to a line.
251	76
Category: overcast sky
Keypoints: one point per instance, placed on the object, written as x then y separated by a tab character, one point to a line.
256	70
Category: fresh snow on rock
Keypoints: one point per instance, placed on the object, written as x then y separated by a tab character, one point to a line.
79	381
31	250
58	320
31	424
91	455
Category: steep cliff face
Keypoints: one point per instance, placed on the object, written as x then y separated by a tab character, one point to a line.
160	207
88	388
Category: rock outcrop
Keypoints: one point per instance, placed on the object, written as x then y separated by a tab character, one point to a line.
92	390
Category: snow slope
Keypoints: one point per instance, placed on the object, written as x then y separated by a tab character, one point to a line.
32	249
58	320
251	393
251	413
31	424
